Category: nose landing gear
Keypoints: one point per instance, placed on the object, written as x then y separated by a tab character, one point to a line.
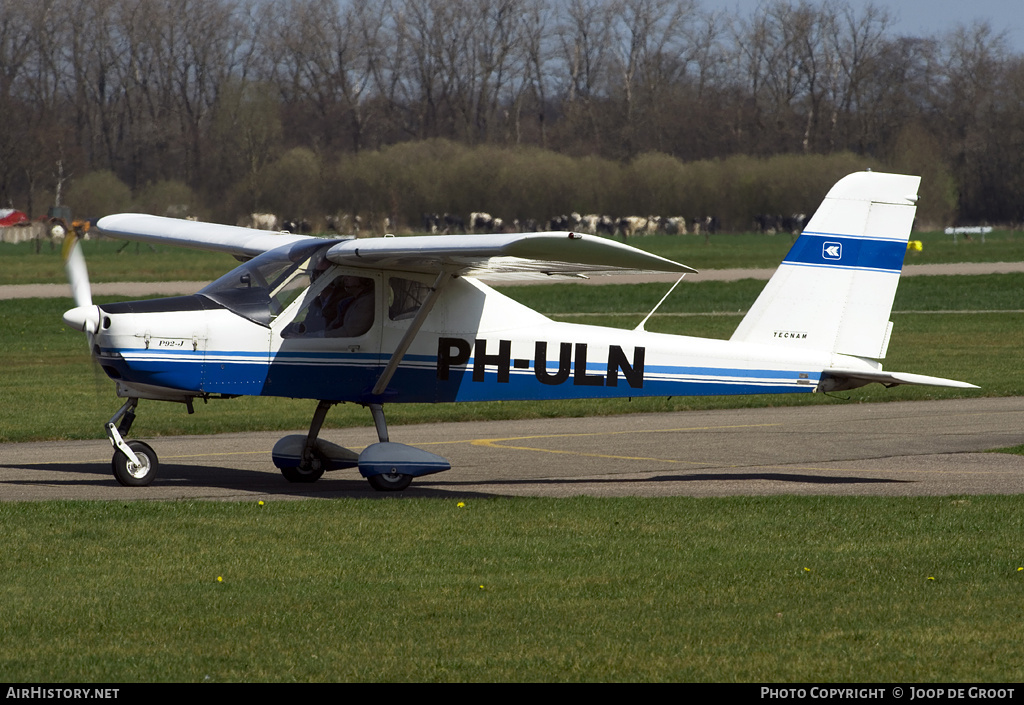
134	463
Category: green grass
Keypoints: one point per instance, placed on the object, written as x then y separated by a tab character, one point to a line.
112	261
781	589
1013	450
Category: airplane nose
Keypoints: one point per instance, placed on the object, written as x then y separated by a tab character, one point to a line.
83	318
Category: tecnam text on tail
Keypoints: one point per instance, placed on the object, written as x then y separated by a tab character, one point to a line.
396	320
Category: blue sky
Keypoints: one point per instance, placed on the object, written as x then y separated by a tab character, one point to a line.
932	17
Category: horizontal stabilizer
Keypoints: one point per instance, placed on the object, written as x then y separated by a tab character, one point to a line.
836	380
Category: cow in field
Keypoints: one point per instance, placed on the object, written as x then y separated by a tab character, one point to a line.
565	222
794	224
453	223
631	225
480	222
301	226
674	225
260	221
431	223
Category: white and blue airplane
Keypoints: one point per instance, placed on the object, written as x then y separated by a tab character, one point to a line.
391	320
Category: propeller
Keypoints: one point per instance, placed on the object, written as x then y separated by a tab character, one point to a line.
85	316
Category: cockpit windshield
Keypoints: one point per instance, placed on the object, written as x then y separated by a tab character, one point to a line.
263	287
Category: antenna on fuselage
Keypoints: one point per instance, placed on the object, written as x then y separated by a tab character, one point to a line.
658	305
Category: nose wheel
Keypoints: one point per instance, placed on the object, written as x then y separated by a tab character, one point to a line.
138	472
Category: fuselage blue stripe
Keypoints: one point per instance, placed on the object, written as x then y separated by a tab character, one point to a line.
425	362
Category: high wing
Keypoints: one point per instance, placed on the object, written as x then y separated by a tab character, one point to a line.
514	254
539	253
243	243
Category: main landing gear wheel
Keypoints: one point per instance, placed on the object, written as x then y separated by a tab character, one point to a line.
130	474
310	459
303	474
389	482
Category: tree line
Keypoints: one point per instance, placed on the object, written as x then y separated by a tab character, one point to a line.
233	106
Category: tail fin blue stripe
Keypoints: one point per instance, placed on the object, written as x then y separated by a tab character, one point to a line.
823	250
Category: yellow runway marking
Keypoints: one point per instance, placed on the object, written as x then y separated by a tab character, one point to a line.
499	442
593	455
488	441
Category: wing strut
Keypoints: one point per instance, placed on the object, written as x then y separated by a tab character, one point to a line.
443	277
658	305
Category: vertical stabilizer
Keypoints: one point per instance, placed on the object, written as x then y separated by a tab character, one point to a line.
835	288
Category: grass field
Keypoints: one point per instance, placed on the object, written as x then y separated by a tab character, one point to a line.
783	589
779	589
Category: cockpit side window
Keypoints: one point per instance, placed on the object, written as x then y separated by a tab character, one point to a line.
343	308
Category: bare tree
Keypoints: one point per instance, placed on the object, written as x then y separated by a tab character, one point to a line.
774	46
535	38
178	54
973	104
704	93
583	32
432	33
18	20
648	60
857	48
497	66
34	132
327	56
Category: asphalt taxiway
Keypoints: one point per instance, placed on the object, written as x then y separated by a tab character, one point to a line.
894	449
